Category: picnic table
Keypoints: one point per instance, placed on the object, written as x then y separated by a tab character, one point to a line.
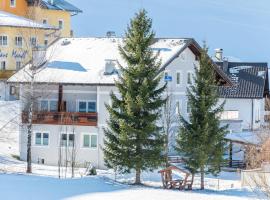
169	183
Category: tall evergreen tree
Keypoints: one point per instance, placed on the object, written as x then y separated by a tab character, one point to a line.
201	138
133	141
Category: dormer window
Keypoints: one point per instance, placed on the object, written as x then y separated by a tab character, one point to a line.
12	3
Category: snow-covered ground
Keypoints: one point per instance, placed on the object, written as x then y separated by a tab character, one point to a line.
44	184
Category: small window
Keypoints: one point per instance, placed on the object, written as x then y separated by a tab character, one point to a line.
3	40
90	141
91	106
189	78
18	41
177	108
188	107
18	65
178	78
45	21
60	24
33	41
49	105
42	139
87	106
12	3
46	42
67	140
12	90
53	106
3	65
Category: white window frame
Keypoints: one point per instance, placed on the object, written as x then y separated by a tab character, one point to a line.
181	78
16	41
191	77
3	61
42	143
33	37
61	20
49	104
87	101
89	134
4	45
67	133
17	65
12	5
178	109
187	106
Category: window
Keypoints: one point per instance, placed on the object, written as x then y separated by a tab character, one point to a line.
18	65
42	139
46	42
90	141
189	78
188	107
33	41
3	65
44	21
177	108
178	78
49	105
67	140
229	115
12	3
3	40
60	24
87	106
18	41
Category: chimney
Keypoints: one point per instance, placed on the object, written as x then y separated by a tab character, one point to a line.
219	54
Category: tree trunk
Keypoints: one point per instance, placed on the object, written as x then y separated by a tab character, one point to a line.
138	176
29	159
202	178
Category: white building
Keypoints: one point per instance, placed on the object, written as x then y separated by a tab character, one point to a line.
72	88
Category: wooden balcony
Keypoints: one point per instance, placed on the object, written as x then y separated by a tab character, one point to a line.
62	118
5	74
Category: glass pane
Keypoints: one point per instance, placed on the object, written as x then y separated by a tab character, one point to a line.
53	106
71	140
45	139
178	78
38	138
91	106
86	141
82	106
64	140
44	105
93	141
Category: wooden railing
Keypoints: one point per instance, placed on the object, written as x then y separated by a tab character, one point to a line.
5	74
62	118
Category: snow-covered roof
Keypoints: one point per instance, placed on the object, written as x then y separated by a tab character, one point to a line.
83	60
245	137
8	19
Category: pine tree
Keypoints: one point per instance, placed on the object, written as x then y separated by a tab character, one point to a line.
133	141
201	138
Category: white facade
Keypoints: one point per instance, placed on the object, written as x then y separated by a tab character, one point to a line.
84	80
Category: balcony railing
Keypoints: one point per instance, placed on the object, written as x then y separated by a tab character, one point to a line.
5	74
62	118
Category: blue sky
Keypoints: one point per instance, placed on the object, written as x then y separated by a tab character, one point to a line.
240	27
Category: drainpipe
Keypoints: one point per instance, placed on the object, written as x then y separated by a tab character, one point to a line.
252	113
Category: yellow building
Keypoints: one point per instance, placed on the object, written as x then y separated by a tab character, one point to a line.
25	24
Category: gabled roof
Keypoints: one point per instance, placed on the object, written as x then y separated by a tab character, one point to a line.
60	5
8	19
83	60
250	80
